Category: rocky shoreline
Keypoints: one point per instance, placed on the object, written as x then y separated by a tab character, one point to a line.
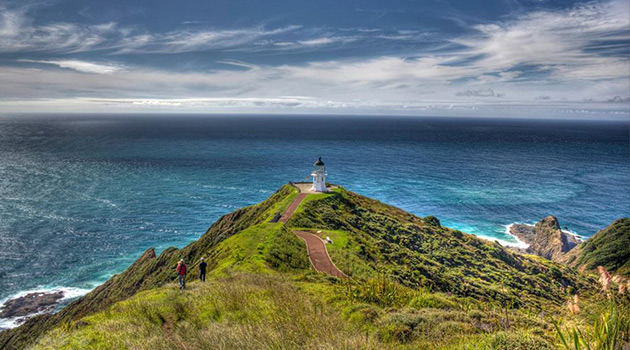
31	304
545	238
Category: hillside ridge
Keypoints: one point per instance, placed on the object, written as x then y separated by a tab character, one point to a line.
371	242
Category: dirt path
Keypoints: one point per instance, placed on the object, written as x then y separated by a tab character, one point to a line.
318	254
294	205
315	246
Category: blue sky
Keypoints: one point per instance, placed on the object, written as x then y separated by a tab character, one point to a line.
486	58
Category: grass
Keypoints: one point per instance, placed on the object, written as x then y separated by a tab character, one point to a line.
380	291
245	250
280	206
609	331
262	248
314	197
243	310
610	248
380	239
415	285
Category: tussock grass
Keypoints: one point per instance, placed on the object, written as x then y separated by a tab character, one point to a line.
270	311
243	311
380	291
610	329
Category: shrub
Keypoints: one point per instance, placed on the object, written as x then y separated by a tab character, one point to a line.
381	291
515	341
362	313
286	252
432	220
396	332
437	301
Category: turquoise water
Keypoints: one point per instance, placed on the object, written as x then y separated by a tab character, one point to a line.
82	196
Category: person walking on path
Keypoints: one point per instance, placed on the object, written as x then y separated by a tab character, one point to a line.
181	274
202	270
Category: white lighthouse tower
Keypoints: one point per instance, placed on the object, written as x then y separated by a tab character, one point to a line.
319	177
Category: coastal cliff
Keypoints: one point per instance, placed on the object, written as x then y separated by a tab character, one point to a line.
609	247
412	283
148	271
545	239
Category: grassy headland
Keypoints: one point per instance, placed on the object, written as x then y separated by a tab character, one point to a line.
414	284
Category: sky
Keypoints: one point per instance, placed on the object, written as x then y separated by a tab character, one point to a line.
538	58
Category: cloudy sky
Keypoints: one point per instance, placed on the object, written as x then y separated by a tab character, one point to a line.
422	57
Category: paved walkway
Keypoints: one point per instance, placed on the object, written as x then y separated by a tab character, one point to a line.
318	255
315	246
294	205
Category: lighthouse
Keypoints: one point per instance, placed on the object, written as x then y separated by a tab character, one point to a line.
319	176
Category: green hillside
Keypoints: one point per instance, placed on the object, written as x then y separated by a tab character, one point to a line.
610	248
414	284
150	271
417	252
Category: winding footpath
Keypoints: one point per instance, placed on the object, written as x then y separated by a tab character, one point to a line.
318	254
291	208
315	246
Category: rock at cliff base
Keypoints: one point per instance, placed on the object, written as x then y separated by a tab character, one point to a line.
30	304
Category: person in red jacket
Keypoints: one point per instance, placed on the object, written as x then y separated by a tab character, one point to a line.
181	274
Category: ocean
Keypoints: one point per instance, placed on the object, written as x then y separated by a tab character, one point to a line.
82	196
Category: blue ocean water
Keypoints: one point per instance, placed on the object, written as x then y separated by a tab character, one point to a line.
82	196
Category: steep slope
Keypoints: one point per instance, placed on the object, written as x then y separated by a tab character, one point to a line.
384	240
609	247
393	257
150	271
545	239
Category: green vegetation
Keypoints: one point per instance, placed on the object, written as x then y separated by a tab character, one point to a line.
262	311
414	285
150	271
381	291
416	252
610	248
609	331
258	249
242	311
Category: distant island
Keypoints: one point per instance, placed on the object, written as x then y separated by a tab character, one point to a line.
310	268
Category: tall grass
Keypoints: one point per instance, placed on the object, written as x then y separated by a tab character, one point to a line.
241	311
610	331
380	291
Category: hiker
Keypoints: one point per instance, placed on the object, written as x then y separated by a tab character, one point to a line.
202	270
181	274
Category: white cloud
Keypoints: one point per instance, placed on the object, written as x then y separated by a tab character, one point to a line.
187	41
537	54
82	66
326	41
19	33
480	93
568	43
238	63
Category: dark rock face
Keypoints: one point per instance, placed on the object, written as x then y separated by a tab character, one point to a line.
545	239
30	304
